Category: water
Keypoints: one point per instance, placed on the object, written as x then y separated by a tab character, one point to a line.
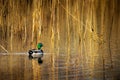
55	67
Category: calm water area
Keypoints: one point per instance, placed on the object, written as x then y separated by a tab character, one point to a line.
18	66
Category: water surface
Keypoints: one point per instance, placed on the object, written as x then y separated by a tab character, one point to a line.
55	67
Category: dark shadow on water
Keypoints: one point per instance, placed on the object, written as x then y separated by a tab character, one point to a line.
40	61
30	57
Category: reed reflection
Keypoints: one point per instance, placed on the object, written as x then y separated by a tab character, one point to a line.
57	67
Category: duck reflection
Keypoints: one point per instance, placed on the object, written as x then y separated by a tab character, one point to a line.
40	61
30	57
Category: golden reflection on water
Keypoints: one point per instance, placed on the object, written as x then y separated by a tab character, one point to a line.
62	67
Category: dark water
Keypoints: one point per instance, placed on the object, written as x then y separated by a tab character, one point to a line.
56	67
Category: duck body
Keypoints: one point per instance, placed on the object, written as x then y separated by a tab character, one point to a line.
36	53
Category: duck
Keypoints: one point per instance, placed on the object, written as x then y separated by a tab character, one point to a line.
36	52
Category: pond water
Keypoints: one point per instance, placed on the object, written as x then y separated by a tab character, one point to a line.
56	67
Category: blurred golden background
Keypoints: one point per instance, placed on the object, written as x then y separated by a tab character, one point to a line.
87	28
63	25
